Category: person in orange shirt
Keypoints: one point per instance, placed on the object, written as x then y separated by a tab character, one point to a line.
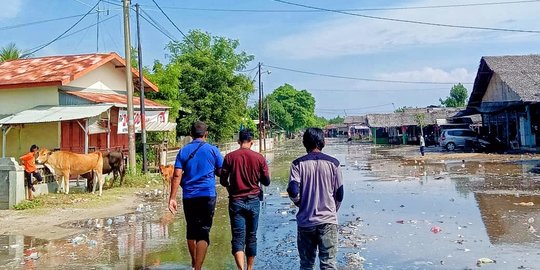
29	163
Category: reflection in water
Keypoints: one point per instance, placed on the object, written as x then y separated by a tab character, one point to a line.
387	216
510	219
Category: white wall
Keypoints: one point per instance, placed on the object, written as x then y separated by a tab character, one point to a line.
20	99
105	78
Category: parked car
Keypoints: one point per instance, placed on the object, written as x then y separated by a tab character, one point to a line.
454	138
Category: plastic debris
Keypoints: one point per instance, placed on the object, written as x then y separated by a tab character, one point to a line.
436	229
79	239
525	204
531	220
92	243
483	261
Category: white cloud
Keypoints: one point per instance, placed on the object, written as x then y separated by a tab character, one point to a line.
10	9
431	75
344	35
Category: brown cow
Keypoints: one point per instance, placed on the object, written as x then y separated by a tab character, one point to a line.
112	162
64	164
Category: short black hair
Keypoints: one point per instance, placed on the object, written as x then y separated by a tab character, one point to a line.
33	147
198	129
313	139
245	135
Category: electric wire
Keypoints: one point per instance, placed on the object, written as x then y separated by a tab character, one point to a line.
410	21
156	25
61	35
40	22
76	32
361	79
350	10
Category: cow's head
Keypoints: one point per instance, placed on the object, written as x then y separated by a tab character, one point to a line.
43	155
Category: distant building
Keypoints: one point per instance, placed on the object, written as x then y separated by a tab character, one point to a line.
507	94
403	127
357	126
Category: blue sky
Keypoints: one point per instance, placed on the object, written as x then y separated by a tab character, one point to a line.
321	42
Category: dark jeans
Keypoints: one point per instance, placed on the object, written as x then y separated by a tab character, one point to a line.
28	178
323	237
244	215
422	150
199	214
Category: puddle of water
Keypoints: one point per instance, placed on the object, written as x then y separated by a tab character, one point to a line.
389	216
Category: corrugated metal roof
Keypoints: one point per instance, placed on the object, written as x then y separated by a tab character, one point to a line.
45	114
155	126
114	99
58	70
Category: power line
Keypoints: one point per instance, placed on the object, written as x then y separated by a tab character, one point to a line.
374	90
40	22
61	35
76	32
410	21
357	78
156	25
355	109
345	10
168	18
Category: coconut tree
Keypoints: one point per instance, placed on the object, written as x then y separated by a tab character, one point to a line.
11	52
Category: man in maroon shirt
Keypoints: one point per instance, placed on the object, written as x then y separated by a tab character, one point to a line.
242	171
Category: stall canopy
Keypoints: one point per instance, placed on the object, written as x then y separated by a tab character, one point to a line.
159	126
47	114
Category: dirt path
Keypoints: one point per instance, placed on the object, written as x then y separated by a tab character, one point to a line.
44	222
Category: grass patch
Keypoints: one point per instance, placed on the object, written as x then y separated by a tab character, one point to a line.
79	198
26	204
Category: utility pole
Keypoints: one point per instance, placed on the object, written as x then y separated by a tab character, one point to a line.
264	119
129	87
260	112
141	87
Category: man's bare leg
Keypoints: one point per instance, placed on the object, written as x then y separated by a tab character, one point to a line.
250	262
200	254
239	259
192	251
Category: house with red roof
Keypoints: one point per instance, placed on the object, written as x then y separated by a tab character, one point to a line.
72	102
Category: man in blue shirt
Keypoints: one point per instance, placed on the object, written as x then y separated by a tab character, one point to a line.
196	165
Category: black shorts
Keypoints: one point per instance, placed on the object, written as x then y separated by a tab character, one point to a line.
28	178
199	214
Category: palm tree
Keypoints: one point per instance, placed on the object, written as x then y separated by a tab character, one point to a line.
11	52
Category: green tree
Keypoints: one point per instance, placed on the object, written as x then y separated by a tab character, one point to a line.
457	98
336	120
201	78
293	109
420	120
11	52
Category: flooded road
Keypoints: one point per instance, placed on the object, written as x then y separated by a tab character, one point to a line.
395	215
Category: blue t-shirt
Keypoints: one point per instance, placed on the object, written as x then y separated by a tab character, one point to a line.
199	178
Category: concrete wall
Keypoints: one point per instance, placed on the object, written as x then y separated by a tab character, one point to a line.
11	183
17	100
20	138
498	91
106	78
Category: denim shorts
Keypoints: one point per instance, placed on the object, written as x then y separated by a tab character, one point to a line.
199	214
244	215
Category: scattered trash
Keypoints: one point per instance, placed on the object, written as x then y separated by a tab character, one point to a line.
33	256
436	229
400	221
525	204
532	229
531	220
79	239
483	261
92	243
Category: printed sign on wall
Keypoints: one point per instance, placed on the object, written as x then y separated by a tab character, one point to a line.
151	117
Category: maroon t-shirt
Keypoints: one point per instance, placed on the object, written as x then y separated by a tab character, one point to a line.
242	171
